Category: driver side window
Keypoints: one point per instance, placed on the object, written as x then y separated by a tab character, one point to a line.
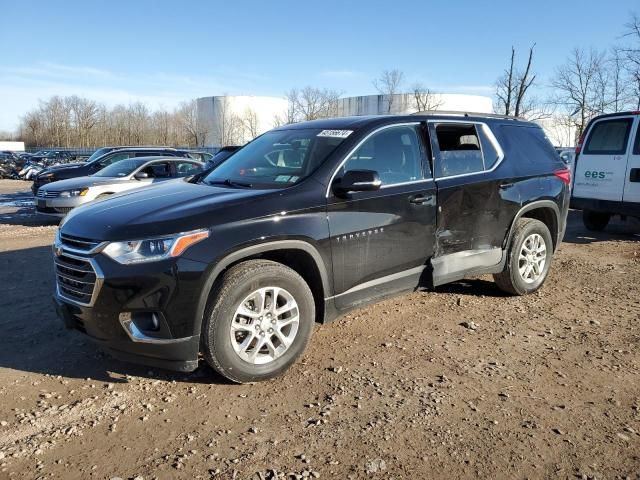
392	152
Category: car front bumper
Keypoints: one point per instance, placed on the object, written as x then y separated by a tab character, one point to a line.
116	313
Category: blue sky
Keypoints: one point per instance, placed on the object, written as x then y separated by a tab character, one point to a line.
162	52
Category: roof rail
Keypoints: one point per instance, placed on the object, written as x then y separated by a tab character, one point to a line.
468	114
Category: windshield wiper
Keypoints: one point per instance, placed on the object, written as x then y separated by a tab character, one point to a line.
229	183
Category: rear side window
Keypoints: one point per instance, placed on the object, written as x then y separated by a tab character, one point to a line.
609	137
636	147
462	148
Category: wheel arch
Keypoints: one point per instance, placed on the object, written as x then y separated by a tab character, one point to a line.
299	255
545	211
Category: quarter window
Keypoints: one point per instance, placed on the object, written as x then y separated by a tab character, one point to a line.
636	147
609	137
392	152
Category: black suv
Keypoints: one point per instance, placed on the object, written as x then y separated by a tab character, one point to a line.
302	224
95	164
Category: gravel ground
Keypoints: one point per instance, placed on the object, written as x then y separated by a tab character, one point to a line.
462	382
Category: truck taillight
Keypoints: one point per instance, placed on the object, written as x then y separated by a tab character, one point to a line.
564	175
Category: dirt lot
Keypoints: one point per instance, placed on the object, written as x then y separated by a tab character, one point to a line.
545	386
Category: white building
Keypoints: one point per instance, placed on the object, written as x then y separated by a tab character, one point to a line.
236	119
405	103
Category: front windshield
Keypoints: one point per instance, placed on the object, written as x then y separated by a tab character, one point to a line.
123	168
277	159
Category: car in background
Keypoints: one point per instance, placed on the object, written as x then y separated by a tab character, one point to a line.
221	156
203	157
59	198
607	169
8	155
568	156
64	172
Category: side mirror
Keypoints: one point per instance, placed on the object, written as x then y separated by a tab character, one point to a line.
357	181
141	175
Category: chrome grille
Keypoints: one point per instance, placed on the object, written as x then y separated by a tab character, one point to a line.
77	243
47	194
75	277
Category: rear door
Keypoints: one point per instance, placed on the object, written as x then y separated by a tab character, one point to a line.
469	195
632	182
601	168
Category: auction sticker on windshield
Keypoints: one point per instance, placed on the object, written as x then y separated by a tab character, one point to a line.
335	133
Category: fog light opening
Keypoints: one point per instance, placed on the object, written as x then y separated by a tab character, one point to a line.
147	322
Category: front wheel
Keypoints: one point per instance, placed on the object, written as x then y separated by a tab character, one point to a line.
530	253
259	321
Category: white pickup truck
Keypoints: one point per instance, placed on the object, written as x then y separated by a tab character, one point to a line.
607	169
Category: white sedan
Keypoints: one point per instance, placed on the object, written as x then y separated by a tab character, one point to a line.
59	198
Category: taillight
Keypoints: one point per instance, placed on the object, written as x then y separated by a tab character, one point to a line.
564	175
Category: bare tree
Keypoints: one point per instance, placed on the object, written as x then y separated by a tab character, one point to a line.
577	86
425	99
513	87
195	129
632	58
388	84
312	103
250	124
228	125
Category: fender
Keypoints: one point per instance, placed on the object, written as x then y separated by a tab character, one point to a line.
246	252
532	206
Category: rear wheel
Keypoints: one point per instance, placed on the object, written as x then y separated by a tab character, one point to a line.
259	321
529	258
595	221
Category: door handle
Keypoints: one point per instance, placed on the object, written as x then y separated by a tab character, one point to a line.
506	185
634	175
420	199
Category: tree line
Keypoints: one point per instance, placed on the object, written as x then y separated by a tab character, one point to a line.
80	122
588	83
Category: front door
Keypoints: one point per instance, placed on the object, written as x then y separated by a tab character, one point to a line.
632	176
382	240
601	167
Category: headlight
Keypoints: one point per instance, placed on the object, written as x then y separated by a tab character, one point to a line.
80	192
45	175
153	249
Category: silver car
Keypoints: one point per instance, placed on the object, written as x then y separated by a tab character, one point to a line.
59	198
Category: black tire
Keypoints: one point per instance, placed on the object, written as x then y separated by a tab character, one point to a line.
236	284
595	221
510	280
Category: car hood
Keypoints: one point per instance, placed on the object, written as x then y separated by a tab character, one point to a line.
83	182
166	208
64	167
